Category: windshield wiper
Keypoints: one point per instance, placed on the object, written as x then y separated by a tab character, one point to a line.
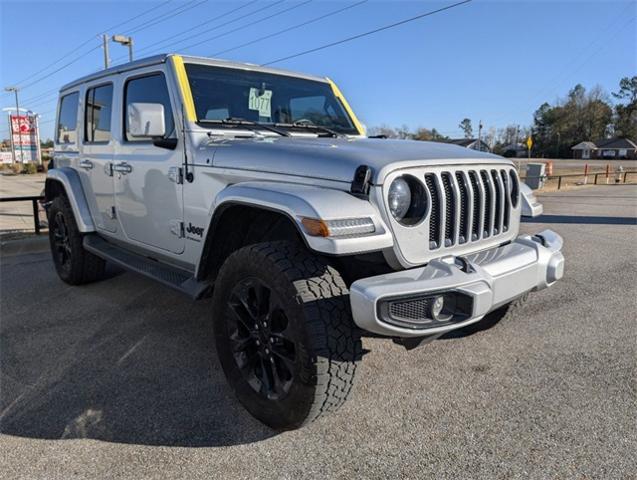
313	126
242	122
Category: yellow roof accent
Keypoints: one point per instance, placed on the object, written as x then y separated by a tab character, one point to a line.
184	86
348	109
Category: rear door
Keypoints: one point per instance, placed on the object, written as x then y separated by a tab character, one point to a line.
96	155
148	194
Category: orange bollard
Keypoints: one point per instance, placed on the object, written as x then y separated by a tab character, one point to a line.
549	168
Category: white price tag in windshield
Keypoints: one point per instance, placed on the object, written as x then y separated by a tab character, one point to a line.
262	102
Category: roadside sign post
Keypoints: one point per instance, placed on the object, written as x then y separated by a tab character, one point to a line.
24	134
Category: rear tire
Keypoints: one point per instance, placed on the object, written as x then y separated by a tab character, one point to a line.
73	264
284	333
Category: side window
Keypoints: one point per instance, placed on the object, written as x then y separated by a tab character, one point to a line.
149	89
97	115
67	121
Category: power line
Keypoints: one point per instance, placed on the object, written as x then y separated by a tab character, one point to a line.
41	95
189	30
232	21
90	40
371	32
248	24
164	18
43	102
99	46
45	77
294	27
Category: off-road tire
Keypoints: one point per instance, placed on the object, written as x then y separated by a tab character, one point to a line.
78	266
315	300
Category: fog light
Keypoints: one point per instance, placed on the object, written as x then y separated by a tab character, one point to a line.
442	308
436	307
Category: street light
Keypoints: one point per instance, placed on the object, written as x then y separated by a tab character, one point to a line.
17	112
127	42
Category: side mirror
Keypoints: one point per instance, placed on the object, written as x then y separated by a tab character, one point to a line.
146	120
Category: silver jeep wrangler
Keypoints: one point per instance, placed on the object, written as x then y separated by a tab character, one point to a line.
259	188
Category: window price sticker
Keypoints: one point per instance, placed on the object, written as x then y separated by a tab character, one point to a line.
262	102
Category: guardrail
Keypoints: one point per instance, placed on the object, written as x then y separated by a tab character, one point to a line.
34	199
608	175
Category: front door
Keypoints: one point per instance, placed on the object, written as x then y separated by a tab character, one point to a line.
148	195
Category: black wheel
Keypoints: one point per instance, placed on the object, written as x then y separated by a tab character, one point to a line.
284	333
73	264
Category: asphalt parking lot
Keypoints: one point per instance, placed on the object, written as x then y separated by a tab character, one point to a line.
120	379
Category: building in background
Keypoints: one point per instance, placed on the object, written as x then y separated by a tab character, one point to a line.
584	150
611	148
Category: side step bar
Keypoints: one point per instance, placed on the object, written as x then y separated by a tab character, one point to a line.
176	278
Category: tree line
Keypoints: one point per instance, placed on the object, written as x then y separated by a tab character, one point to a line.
583	115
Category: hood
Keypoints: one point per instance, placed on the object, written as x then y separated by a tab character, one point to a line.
338	158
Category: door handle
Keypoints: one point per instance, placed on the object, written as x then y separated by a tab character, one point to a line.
122	168
86	164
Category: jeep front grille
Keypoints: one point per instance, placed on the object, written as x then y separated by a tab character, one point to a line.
468	206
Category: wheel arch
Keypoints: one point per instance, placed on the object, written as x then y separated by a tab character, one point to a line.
236	224
251	207
66	181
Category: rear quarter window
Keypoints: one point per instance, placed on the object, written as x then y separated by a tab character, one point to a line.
67	119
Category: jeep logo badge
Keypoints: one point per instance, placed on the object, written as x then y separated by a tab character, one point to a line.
194	230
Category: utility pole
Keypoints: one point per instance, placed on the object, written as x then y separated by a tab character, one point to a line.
107	60
17	112
480	135
127	42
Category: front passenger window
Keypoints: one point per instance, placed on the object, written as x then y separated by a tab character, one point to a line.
149	89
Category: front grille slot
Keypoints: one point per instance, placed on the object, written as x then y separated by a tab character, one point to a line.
499	198
477	206
488	204
450	209
435	215
507	200
463	227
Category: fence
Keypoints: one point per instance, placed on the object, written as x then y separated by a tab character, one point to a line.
623	175
34	202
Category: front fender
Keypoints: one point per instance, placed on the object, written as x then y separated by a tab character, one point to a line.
70	182
297	201
530	206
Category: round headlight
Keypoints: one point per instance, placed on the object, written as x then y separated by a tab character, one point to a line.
407	200
399	198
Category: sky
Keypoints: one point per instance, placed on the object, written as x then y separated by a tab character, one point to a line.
494	61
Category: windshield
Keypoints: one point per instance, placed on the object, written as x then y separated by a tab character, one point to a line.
220	93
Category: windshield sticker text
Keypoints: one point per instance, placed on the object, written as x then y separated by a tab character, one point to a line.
260	100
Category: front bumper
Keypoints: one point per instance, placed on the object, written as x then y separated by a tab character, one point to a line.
486	280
